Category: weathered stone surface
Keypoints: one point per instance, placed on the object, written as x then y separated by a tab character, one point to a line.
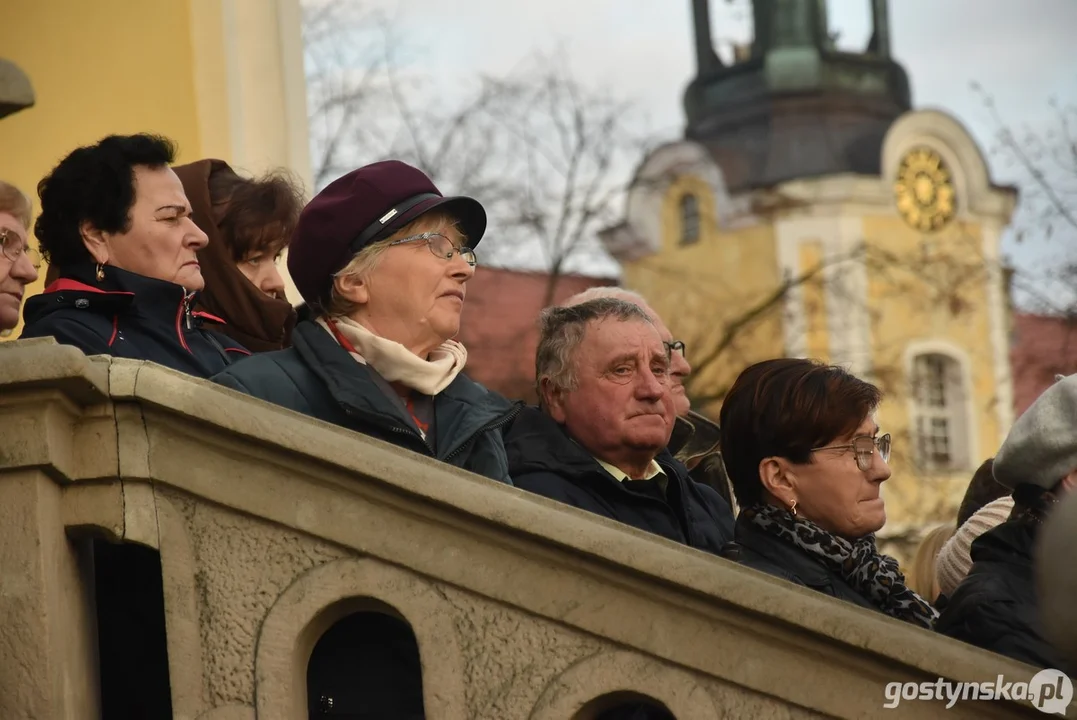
509	657
241	567
47	650
271	527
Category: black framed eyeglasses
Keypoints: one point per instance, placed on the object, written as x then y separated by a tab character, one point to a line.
864	447
441	246
14	247
674	347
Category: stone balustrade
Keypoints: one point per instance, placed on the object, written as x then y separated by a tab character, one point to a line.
271	526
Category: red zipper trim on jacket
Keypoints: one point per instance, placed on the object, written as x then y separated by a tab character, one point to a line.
69	284
344	342
207	316
115	329
179	330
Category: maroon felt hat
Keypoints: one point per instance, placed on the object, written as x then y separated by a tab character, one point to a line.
360	208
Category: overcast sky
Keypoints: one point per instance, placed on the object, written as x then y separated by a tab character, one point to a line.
1022	51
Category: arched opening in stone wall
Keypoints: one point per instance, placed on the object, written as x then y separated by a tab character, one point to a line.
131	640
366	666
624	706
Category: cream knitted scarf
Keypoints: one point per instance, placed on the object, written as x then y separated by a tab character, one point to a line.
396	363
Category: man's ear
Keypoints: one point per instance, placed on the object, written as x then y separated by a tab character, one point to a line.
553	399
778	479
96	242
1069	483
352	287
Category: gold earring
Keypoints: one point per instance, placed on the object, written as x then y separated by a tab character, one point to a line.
100	272
793	508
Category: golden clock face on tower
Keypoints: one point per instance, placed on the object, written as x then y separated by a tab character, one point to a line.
924	190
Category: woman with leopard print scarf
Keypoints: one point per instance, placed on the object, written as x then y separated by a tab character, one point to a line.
806	460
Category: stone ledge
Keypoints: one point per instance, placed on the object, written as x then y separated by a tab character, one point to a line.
224	449
41	362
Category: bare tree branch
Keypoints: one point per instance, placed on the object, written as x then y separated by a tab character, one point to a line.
1020	151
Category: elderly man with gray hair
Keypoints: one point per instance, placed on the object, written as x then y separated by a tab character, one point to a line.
679	369
695	437
598	439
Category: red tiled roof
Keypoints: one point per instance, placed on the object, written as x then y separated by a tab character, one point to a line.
1041	346
499	326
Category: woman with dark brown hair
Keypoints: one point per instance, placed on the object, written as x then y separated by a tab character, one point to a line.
806	460
249	223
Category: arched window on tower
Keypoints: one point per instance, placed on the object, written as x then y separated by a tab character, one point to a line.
689	219
940	416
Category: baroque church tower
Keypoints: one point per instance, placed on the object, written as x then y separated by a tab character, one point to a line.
810	212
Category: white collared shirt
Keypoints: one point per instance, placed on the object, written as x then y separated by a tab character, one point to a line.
654	470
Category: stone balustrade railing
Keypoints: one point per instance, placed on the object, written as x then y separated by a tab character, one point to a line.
271	526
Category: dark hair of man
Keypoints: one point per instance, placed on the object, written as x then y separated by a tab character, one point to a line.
96	185
255	216
982	489
784	408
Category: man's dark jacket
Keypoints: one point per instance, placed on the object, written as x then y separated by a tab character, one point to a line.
319	378
545	460
995	606
130	316
760	550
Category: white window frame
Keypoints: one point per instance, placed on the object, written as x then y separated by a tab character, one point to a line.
957	412
688	212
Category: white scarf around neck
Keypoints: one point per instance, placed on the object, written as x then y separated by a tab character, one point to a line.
396	363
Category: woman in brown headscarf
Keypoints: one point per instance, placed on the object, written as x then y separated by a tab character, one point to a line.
249	224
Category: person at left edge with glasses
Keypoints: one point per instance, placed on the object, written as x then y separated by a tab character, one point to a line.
382	260
18	261
807	462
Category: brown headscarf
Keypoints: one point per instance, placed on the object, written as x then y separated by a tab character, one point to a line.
260	322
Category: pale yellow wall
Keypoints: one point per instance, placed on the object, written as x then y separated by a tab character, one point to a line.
218	77
932	288
98	68
248	76
699	288
814	301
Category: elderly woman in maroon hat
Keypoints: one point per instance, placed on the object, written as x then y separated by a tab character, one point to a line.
383	260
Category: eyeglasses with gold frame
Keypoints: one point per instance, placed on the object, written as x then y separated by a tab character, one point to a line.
14	247
864	447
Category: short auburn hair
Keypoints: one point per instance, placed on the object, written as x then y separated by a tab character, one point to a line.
784	408
255	215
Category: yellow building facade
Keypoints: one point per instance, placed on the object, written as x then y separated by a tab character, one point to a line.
879	252
221	78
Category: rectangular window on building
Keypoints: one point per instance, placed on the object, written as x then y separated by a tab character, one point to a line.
939	419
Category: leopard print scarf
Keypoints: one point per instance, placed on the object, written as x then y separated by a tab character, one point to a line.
875	576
